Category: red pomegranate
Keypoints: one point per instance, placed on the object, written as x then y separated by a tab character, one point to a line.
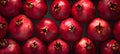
110	47
109	9
116	30
70	29
10	8
58	47
60	9
84	46
98	30
83	10
21	27
34	46
35	9
47	29
3	27
8	46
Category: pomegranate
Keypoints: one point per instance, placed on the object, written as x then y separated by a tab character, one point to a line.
110	47
70	30
84	46
116	30
10	8
34	46
83	10
109	9
21	28
58	47
8	46
60	9
3	27
47	29
35	9
98	30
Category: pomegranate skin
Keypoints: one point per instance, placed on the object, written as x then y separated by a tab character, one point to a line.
34	46
109	9
110	47
60	9
70	30
84	46
98	30
58	47
83	10
116	30
35	9
10	8
21	27
10	47
3	27
47	29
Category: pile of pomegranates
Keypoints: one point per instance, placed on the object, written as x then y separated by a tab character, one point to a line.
59	26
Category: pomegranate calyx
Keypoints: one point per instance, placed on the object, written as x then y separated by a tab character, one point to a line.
58	46
99	28
89	46
71	28
115	47
3	2
44	30
34	45
3	43
19	22
30	5
78	7
112	6
2	25
56	8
